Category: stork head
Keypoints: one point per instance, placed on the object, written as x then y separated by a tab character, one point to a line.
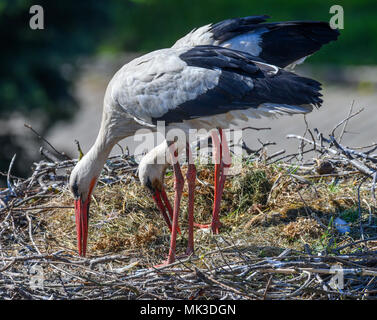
151	176
82	183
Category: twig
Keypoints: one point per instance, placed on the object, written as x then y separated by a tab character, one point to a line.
45	140
48	155
81	154
359	208
10	186
346	122
267	287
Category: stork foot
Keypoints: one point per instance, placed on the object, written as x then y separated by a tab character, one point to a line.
169	260
189	252
161	265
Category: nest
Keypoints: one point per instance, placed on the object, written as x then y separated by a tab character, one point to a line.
279	238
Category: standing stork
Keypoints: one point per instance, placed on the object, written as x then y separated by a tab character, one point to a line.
193	87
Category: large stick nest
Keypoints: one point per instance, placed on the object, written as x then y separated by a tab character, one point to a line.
280	238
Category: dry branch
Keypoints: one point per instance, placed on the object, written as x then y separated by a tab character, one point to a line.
34	266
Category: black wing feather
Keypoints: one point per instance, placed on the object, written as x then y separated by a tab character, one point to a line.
243	84
227	29
288	42
284	42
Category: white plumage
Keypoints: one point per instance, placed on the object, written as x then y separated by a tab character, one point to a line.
216	77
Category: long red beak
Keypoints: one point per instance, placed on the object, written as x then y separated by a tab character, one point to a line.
81	212
162	201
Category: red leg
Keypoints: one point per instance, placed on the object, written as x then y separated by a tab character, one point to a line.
217	157
167	202
225	161
178	186
191	178
226	158
168	206
221	171
217	153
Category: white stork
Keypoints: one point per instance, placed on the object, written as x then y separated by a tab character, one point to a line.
201	82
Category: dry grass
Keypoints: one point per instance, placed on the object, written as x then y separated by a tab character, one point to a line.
125	220
266	209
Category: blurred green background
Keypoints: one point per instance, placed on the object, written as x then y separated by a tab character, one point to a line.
39	67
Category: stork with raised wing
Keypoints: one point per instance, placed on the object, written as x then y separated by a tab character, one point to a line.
191	86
